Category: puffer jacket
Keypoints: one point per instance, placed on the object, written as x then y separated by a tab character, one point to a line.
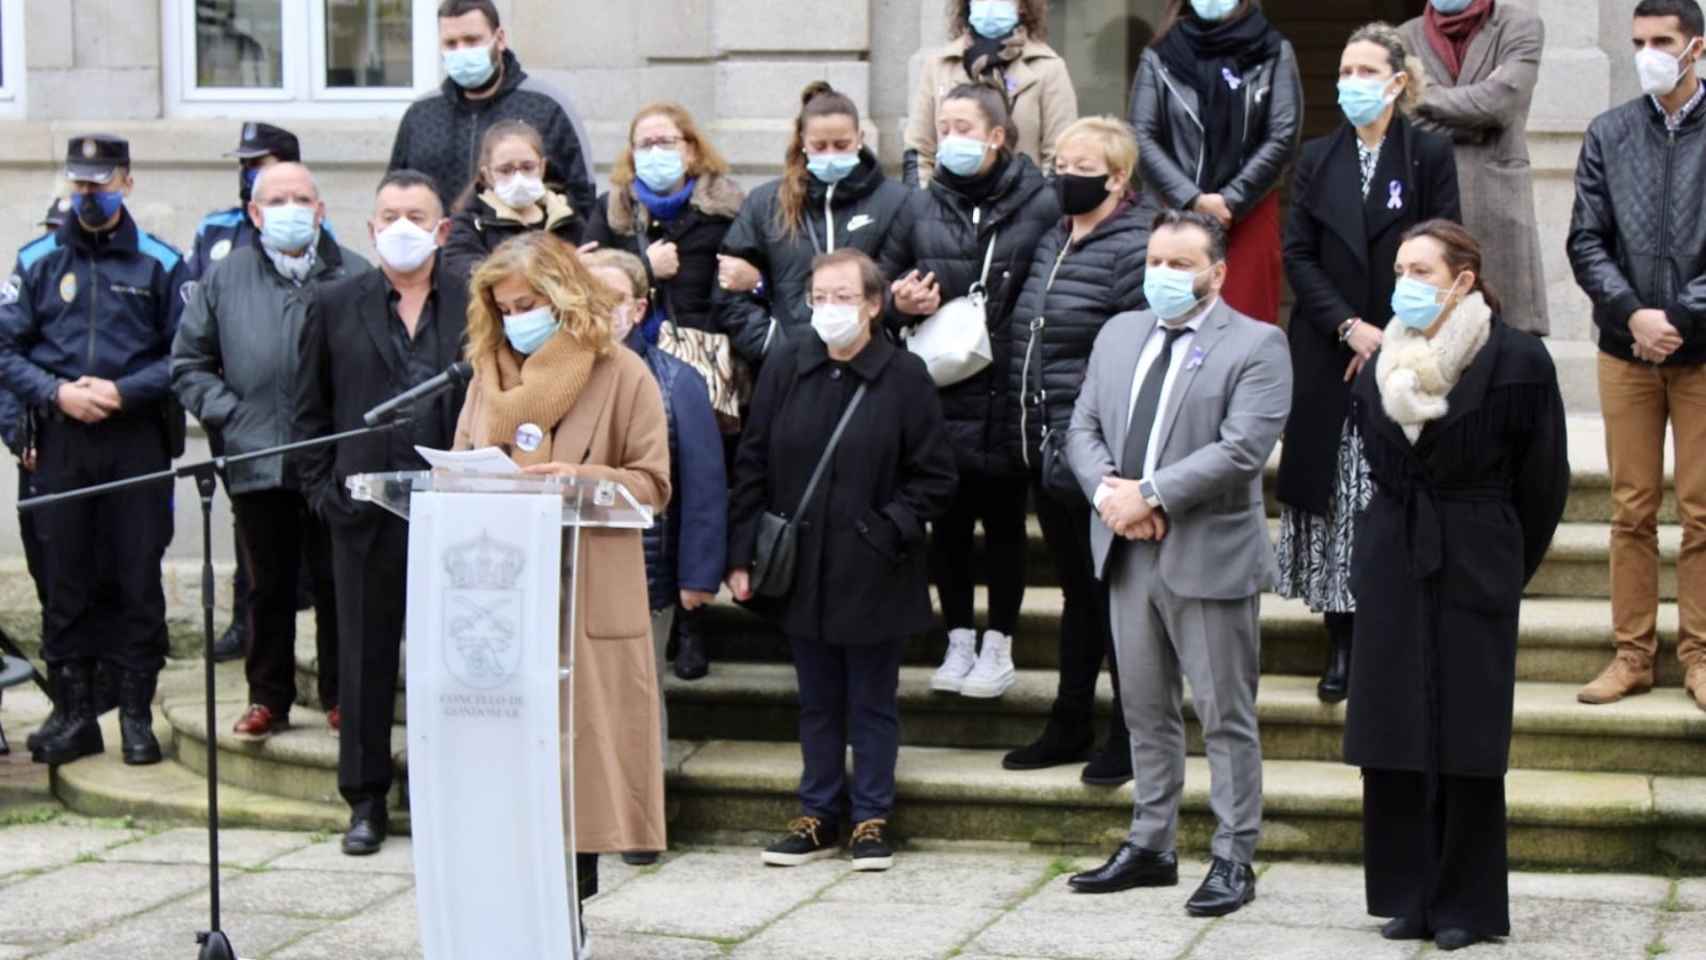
856	212
1167	117
945	232
687	545
486	222
1638	231
1072	290
621	222
235	361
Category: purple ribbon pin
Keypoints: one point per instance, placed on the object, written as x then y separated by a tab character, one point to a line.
1232	81
1196	358
1395	196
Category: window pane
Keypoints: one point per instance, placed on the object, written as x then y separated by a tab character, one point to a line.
369	43
238	43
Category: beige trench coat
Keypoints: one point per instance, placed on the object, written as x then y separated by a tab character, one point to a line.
618	430
1485	112
1040	89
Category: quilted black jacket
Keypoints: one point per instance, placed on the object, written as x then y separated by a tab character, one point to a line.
1638	231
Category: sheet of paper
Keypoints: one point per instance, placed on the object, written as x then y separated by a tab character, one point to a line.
484	460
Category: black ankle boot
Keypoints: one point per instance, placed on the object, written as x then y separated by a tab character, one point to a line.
1111	766
1063	741
136	718
55	722
691	659
79	735
1335	683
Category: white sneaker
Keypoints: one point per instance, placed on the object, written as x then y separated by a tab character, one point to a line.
962	656
994	673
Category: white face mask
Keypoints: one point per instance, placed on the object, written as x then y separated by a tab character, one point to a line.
519	192
838	324
1659	71
622	322
404	246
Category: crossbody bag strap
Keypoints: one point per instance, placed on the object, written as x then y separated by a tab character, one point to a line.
988	258
829	451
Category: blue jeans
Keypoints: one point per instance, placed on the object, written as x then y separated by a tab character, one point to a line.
848	695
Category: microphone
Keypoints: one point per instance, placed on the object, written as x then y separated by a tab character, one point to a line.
454	376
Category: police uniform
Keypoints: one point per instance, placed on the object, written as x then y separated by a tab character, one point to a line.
102	304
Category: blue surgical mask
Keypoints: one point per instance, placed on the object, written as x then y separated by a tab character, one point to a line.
1171	293
994	19
470	67
95	209
1214	11
961	155
288	228
1363	100
1449	7
1416	304
658	168
527	332
832	167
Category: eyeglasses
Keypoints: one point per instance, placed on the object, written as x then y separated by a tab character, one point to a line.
834	300
526	169
660	143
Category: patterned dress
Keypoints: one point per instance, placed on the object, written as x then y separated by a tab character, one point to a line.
1315	550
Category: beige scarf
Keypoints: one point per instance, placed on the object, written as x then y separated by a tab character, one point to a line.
1415	373
538	390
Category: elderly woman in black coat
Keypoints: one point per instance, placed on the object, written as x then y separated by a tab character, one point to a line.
974	228
860	586
1357	190
1463	430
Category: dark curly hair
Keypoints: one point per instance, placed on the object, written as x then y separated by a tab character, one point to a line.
1033	16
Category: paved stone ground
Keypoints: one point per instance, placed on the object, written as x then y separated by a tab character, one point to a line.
72	888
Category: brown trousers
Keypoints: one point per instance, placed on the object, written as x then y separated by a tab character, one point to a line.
1638	399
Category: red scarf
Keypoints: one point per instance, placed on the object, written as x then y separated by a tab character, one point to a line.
1450	35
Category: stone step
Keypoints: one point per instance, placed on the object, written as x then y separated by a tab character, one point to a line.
1558	818
1660	733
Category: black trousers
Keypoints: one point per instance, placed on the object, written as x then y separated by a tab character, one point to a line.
100	557
31	537
1448	868
1086	637
848	697
370	563
999	504
274	528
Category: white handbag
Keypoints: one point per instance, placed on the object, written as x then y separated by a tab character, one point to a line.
953	342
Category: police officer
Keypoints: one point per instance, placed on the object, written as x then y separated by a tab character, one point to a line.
260	145
86	326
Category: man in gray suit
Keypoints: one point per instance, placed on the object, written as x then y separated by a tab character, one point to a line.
1181	407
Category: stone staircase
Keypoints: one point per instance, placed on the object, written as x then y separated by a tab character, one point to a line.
1622	786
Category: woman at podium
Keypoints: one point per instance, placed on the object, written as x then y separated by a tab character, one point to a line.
553	389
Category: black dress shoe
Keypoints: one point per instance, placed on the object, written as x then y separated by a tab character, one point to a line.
230	644
1456	938
1111	766
1404	928
1228	886
1060	744
364	837
1130	866
640	859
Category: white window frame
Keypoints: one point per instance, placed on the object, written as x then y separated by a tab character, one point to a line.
303	91
12	63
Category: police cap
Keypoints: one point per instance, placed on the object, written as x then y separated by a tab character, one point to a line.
264	139
93	157
57	210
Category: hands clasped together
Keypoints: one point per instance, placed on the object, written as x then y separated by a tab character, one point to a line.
1128	514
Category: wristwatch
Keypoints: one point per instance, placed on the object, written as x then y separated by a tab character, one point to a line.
1346	328
1146	490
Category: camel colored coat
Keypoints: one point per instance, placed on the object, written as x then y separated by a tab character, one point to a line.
616	430
1044	101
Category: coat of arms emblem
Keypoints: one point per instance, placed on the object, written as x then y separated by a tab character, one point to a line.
483	611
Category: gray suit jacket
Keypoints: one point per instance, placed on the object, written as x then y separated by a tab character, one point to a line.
1226	412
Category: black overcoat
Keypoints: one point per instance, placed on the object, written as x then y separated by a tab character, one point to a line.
1458	524
943	232
1339	251
861	575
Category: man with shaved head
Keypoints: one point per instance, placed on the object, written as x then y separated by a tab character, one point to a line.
235	366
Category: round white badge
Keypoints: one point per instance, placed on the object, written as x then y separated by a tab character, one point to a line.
528	437
68	287
220	250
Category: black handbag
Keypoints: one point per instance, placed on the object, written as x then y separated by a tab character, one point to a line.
778	536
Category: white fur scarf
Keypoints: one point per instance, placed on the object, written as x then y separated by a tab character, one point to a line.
1415	374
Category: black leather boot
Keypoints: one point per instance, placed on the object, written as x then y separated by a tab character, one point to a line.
79	735
692	661
1335	683
1111	766
106	688
136	718
1064	740
55	721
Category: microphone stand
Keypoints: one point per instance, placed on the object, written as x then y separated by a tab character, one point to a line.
214	944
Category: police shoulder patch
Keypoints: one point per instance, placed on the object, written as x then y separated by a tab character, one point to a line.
9	293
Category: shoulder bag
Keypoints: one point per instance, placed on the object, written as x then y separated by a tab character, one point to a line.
778	536
953	342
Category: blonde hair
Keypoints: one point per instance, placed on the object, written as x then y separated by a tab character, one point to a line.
706	159
624	263
554	271
1399	57
1116	138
